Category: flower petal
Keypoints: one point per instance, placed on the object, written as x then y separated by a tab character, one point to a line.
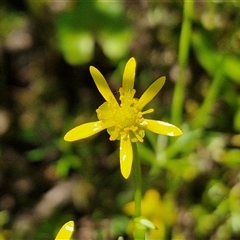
83	131
163	128
126	156
129	76
66	231
102	85
150	93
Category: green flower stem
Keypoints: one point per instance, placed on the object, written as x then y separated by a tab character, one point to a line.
184	45
139	230
138	181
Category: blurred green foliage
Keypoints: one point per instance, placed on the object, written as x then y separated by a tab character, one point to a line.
45	89
89	22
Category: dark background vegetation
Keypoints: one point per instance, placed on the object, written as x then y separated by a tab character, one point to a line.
46	48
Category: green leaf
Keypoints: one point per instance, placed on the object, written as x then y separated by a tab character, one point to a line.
91	21
231	157
212	59
37	155
77	47
66	163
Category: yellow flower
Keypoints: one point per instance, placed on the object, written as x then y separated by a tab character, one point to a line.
124	121
159	211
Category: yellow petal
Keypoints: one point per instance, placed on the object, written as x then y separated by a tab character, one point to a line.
66	231
102	85
129	76
150	93
126	156
83	131
163	128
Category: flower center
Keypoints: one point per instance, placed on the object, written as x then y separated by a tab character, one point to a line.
123	120
125	116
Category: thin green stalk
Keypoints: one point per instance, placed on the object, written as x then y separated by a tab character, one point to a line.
184	45
138	181
139	230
